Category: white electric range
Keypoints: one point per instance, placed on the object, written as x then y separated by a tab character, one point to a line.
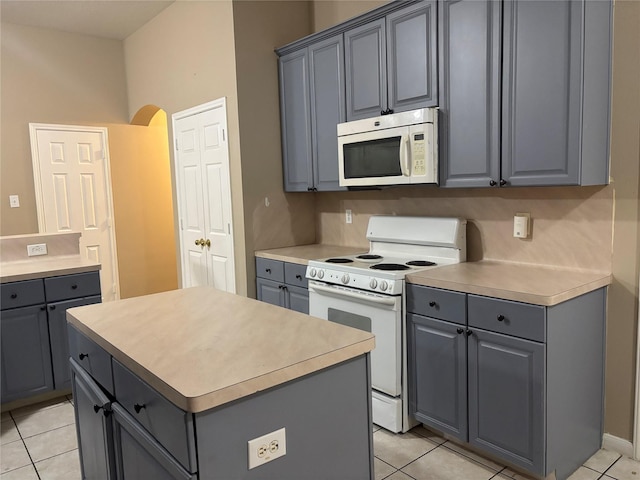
367	291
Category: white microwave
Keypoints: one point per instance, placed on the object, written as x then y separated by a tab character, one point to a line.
396	149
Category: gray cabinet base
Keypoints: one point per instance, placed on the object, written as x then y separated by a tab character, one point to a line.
327	418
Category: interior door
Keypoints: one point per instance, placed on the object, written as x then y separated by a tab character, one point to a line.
204	191
73	192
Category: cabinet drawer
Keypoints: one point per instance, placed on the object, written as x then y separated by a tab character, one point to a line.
92	357
72	286
436	303
511	318
294	274
21	294
169	425
271	269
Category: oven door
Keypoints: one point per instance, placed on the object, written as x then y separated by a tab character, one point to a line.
372	312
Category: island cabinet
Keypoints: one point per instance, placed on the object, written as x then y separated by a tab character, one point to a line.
391	63
33	330
524	92
283	284
521	382
145	425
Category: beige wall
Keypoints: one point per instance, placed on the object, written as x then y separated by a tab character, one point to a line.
327	13
182	58
143	208
50	77
625	172
260	27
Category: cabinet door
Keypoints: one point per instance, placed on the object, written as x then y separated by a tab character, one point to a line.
541	94
298	299
469	128
412	57
270	292
326	63
25	353
507	398
438	374
139	455
93	426
60	339
295	119
366	70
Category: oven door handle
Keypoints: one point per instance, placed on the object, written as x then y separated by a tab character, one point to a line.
390	301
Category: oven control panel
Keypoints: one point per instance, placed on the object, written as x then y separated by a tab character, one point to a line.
355	280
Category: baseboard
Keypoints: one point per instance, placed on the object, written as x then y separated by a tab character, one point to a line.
617	444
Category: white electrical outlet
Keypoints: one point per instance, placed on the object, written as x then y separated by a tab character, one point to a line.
348	216
14	201
266	448
37	249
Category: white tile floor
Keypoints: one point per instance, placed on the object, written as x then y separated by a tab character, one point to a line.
39	442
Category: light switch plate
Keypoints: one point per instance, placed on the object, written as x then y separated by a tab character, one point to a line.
14	201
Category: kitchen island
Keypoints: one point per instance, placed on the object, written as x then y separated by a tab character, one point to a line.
175	385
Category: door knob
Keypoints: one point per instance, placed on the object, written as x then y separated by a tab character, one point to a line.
207	243
197	242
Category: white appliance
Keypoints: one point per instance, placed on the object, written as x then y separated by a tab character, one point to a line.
367	292
396	149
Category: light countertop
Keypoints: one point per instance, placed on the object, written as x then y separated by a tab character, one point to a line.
303	253
539	285
45	267
201	348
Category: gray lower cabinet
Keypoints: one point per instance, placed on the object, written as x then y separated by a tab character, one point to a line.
391	63
507	377
524	92
34	335
312	104
283	284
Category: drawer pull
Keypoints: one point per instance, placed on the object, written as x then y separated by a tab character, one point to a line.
43	308
82	356
137	407
501	318
299	277
74	287
52	307
14	295
268	270
460	331
97	408
469	332
432	304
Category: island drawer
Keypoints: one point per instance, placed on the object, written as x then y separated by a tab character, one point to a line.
72	286
511	318
93	358
168	424
21	294
295	274
437	303
271	269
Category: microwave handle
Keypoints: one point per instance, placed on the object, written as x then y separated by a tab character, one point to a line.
405	167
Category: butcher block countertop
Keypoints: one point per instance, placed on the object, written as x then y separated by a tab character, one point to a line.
539	285
201	348
303	253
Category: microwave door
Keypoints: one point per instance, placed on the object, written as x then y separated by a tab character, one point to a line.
375	158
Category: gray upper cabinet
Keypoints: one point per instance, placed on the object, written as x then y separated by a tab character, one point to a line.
366	67
469	127
295	118
311	106
391	63
524	92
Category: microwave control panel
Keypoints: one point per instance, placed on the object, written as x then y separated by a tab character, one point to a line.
418	154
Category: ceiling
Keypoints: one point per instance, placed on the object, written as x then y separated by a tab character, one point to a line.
116	19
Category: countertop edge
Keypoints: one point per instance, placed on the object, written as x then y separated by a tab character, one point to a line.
50	272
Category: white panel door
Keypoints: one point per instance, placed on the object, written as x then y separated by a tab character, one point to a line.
204	192
74	192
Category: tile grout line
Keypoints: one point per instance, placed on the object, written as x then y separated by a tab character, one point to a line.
25	447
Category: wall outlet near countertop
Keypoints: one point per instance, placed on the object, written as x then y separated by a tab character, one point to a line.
266	448
36	249
521	225
348	216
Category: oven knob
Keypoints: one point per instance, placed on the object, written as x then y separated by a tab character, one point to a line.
373	283
320	274
345	278
383	285
312	272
